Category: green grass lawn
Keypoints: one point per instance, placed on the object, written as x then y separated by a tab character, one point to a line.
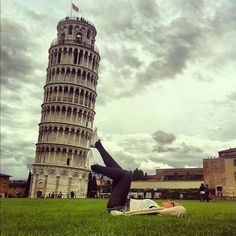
89	217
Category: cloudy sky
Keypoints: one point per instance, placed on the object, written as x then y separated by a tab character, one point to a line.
167	79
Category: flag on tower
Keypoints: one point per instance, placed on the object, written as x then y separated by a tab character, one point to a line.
74	7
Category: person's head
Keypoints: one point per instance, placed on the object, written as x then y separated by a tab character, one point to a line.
167	204
170	204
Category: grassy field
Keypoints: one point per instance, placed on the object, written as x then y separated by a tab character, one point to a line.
88	217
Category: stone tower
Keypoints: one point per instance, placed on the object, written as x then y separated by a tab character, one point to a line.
65	129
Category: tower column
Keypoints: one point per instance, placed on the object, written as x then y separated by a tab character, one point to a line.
35	184
72	159
31	186
69	184
57	184
54	156
45	184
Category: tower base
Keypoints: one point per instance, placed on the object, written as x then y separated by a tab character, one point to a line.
58	181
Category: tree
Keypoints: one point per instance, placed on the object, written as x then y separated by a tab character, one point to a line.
90	185
145	176
135	174
94	186
27	187
138	175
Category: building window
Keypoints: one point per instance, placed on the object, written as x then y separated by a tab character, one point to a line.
78	37
88	34
92	43
234	162
62	38
59	57
70	29
68	161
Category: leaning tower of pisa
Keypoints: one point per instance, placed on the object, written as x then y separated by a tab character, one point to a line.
65	129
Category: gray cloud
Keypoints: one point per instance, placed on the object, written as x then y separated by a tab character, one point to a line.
232	97
224	19
163	138
225	132
20	97
201	77
135	145
121	58
16	48
170	50
125	160
183	148
165	145
170	46
161	149
148	9
118	15
17	151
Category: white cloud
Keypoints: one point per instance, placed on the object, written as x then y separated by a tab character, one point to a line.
137	151
151	166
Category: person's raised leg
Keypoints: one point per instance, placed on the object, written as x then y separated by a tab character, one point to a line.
114	173
121	178
107	158
120	189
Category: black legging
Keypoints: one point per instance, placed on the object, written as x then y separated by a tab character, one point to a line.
121	178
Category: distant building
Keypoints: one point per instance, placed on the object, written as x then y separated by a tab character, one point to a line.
165	184
4	184
17	188
169	183
104	185
220	173
178	174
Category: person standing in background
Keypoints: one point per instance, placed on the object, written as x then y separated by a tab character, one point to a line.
202	190
207	193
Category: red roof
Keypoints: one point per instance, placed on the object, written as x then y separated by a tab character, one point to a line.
3	175
179	170
231	152
162	173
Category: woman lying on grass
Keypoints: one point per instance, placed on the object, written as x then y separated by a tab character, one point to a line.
117	203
